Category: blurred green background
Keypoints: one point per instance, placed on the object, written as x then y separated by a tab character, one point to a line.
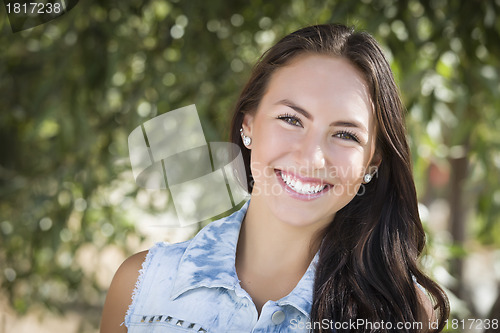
73	89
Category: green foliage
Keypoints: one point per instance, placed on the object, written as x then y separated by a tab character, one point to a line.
74	88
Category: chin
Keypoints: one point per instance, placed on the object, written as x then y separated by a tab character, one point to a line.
299	217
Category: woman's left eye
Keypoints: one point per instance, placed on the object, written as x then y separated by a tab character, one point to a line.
292	120
345	135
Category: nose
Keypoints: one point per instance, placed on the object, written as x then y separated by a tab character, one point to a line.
318	159
311	153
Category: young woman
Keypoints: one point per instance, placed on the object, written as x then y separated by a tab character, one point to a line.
331	236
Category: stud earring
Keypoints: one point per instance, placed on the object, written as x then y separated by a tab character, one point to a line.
246	140
367	178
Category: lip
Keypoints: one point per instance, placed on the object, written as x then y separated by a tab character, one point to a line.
300	196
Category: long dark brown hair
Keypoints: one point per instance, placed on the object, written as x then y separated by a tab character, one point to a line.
369	253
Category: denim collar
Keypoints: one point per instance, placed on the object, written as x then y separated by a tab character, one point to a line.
205	265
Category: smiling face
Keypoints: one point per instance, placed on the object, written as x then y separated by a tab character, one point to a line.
313	139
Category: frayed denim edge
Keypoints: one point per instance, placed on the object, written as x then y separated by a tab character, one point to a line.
138	284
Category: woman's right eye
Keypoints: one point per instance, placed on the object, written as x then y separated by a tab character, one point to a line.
292	120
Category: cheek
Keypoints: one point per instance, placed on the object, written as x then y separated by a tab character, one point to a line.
348	166
269	144
264	152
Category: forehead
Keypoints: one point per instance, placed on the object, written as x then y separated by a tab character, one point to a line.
321	82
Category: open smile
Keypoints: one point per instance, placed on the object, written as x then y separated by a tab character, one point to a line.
301	187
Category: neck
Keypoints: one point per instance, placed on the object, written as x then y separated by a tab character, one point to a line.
272	255
272	247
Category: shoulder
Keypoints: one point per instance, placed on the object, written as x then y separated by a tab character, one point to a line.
128	272
133	263
126	281
120	293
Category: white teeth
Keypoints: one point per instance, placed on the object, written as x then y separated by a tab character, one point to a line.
299	187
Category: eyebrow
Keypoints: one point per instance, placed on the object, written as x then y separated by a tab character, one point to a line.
339	123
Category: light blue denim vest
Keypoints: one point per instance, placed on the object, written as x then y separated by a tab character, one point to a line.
193	287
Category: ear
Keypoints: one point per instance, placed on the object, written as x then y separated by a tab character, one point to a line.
247	124
375	162
376	159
